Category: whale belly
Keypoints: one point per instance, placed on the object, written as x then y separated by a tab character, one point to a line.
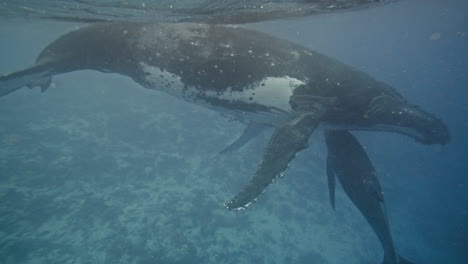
265	101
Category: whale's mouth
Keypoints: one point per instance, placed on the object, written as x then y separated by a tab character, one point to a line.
426	139
398	118
418	124
416	135
419	137
412	133
393	114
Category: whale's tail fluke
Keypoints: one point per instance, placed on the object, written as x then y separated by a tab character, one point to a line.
37	75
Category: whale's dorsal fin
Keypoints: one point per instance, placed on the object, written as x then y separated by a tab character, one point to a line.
252	130
37	75
285	142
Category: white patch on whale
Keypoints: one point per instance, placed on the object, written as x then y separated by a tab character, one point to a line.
163	80
272	92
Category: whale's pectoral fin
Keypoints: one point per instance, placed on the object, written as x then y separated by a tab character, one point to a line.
252	130
402	260
378	194
36	75
285	142
331	179
357	176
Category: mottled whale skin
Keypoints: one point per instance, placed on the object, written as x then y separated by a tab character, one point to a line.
348	162
256	77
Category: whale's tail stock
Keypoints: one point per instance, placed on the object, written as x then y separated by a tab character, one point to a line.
37	75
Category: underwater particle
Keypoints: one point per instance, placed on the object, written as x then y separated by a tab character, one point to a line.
53	85
435	36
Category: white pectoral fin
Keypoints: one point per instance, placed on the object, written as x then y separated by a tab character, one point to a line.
36	75
379	195
286	141
252	130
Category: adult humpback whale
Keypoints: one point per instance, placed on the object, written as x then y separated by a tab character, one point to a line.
348	161
259	78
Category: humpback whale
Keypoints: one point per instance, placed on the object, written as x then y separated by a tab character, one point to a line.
261	79
348	161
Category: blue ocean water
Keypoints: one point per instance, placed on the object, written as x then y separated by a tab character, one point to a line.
100	170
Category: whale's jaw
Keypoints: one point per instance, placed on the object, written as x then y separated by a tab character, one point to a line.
390	114
412	121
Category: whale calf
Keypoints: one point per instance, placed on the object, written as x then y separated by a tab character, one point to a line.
261	79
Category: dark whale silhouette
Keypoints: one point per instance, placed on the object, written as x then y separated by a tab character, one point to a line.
258	78
348	161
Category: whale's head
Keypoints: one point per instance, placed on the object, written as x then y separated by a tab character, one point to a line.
394	114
